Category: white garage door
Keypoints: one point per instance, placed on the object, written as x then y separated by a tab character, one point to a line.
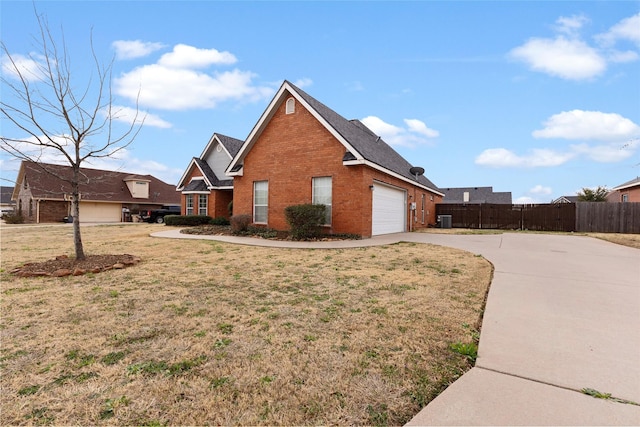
100	212
388	210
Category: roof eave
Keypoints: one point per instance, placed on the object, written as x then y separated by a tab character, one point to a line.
391	173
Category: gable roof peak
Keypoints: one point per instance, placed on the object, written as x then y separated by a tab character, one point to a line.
358	139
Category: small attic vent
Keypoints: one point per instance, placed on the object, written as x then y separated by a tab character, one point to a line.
291	106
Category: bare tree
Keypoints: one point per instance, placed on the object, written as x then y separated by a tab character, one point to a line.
77	123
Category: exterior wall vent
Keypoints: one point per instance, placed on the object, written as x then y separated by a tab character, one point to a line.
291	106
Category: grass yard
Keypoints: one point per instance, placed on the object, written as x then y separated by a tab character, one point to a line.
202	332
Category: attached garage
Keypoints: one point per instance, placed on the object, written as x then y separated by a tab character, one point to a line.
389	209
100	212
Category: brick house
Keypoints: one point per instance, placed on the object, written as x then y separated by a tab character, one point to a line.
301	151
627	192
42	193
204	187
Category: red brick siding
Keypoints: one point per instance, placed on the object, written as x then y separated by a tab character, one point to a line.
217	203
52	211
293	149
633	194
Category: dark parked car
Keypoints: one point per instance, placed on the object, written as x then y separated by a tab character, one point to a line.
157	215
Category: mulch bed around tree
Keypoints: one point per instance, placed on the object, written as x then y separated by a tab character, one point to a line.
65	266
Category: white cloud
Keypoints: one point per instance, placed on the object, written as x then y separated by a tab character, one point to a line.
571	25
184	56
128	115
525	200
176	82
130	49
304	82
415	134
541	190
503	158
122	160
570	59
622	57
420	127
604	153
590	125
626	29
30	67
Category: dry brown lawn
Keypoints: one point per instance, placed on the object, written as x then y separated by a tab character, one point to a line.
632	240
203	332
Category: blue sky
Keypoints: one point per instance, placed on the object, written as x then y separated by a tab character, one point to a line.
538	98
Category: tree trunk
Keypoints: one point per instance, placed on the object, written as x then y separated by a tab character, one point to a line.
77	238
75	209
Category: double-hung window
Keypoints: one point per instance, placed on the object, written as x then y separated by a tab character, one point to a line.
260	201
322	189
189	204
202	204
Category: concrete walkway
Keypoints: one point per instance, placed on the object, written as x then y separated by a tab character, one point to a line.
563	314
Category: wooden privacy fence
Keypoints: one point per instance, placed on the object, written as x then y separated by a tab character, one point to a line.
608	217
585	216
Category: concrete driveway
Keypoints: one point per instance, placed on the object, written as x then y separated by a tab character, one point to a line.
562	315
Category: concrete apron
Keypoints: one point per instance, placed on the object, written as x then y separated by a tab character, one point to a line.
563	314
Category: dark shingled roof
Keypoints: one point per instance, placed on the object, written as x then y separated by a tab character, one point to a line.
5	195
196	185
48	181
476	195
232	145
371	147
211	176
634	182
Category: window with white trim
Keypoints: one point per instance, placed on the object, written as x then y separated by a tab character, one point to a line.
625	198
189	204
202	204
260	201
321	195
291	106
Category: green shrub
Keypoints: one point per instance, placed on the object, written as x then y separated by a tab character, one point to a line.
219	220
13	218
240	223
305	220
187	220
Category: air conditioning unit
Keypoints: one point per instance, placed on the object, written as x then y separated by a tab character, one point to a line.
444	221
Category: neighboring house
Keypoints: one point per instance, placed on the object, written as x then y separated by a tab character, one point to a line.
475	195
6	204
566	199
627	192
43	193
300	151
205	188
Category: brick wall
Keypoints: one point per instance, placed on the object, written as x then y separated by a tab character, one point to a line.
218	203
293	149
53	211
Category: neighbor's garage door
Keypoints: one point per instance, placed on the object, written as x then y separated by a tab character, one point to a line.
388	210
100	212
